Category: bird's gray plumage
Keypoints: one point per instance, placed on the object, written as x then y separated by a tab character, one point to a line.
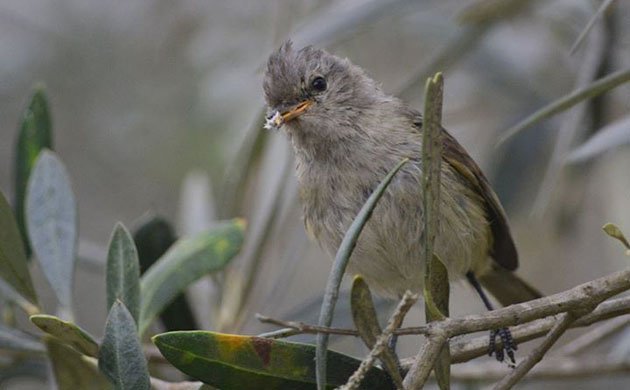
346	142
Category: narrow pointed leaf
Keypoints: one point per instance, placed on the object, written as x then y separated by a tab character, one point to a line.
431	163
67	332
246	362
436	286
339	268
186	261
439	292
72	370
16	340
596	88
51	218
153	238
13	266
366	322
607	138
120	357
123	271
35	134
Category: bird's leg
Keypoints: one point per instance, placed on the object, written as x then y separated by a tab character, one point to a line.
504	333
393	341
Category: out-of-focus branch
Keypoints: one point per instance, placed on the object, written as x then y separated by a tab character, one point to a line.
597	88
573	123
550	368
594	335
600	11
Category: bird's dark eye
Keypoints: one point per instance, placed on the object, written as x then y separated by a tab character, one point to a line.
319	84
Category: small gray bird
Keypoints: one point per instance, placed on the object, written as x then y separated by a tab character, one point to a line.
347	135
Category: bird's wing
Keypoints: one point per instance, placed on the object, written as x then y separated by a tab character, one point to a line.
503	248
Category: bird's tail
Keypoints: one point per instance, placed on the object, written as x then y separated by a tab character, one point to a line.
508	288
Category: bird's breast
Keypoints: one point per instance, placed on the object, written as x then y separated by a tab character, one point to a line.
388	253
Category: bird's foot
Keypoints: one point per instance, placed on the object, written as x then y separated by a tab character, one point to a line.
393	342
507	347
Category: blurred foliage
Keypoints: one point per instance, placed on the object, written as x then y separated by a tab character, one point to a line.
13	267
52	230
147	92
152	238
35	134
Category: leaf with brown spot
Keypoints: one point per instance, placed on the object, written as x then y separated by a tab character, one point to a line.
229	361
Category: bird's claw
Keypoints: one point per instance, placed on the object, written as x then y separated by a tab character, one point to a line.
507	347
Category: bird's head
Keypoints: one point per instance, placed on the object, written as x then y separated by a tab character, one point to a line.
311	90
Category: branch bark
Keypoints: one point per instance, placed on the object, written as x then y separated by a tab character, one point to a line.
572	304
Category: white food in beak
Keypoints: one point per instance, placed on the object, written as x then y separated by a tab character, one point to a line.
274	122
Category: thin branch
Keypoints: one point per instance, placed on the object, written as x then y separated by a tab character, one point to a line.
302	327
465	350
508	381
532	325
394	323
423	362
366	321
584	295
575	300
281	333
461	350
594	335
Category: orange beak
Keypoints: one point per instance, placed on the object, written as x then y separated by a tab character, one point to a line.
296	111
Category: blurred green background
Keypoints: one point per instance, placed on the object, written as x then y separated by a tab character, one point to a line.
152	101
